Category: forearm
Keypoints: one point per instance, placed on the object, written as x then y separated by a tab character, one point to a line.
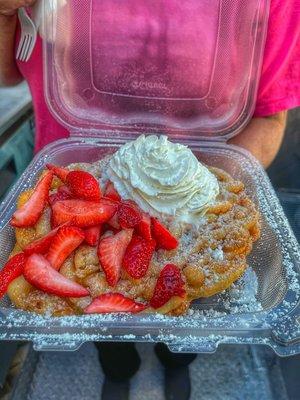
263	137
9	73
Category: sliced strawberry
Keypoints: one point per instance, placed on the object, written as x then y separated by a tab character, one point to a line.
169	284
111	192
83	213
164	238
53	198
60	172
138	256
111	251
144	227
92	235
53	222
83	185
131	202
112	303
30	212
67	239
11	270
129	215
114	222
63	193
40	246
39	272
64	189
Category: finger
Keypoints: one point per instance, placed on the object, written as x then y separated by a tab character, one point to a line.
29	2
7	13
23	3
9	7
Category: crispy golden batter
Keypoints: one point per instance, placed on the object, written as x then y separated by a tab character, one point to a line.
69	271
211	256
18	292
86	261
43	303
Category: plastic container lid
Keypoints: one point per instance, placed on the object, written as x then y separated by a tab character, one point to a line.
183	67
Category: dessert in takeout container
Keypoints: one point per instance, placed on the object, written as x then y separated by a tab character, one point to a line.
119	76
148	229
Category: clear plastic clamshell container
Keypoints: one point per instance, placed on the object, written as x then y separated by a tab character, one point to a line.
189	69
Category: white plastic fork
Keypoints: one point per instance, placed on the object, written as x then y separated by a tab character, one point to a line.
28	36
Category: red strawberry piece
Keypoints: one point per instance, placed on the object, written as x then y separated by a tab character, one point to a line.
53	222
114	222
169	284
129	215
60	172
54	197
39	272
83	185
132	203
11	270
111	251
30	212
67	239
144	227
111	192
92	235
64	189
112	303
41	245
83	213
63	193
138	256
164	238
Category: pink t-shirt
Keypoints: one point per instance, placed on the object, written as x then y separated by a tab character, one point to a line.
279	87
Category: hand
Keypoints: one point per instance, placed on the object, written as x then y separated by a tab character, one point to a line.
10	7
262	137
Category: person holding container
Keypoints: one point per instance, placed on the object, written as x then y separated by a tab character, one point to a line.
278	91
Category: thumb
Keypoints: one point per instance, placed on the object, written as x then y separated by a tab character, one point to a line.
26	3
10	7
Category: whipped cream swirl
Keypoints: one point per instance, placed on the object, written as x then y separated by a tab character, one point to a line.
163	178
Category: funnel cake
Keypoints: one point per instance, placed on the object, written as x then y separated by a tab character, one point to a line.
208	257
